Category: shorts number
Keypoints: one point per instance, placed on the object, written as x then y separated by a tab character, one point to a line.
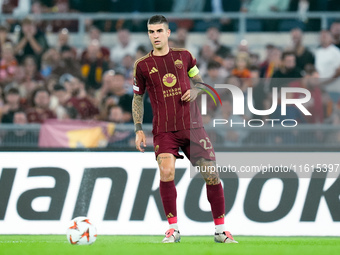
205	142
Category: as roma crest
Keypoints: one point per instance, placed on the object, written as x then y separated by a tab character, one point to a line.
179	64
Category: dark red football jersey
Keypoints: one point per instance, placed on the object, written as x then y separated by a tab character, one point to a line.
166	78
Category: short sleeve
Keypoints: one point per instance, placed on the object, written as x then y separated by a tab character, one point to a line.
138	80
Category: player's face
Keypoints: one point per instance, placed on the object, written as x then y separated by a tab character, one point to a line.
158	35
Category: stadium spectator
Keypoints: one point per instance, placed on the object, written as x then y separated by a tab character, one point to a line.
37	8
272	62
243	46
95	34
12	105
205	56
31	41
63	40
327	63
335	31
182	36
59	98
173	43
126	68
32	79
20	118
125	46
80	101
214	35
94	66
254	59
65	81
8	64
228	64
311	82
241	66
269	49
113	91
67	64
40	110
182	41
3	38
9	6
140	52
62	6
292	112
20	137
302	54
259	92
115	114
49	62
287	73
213	75
31	71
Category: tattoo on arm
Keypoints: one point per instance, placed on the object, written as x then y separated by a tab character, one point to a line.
210	177
137	108
196	79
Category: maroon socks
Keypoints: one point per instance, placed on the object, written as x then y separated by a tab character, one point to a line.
169	195
216	199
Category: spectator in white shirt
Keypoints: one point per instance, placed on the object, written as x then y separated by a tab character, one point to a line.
327	62
125	47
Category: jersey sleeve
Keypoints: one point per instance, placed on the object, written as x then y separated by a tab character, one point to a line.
192	68
138	81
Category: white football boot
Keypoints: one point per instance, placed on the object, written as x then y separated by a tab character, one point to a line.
224	237
172	236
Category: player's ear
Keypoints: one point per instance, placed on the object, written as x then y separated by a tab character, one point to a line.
168	32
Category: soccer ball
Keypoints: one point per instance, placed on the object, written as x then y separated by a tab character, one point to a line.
81	231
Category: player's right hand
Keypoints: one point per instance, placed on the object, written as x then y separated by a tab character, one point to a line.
140	138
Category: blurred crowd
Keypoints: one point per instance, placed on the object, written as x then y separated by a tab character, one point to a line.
301	7
39	82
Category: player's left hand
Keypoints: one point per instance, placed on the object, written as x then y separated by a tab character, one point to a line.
190	95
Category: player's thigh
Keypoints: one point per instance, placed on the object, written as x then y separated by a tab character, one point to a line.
199	146
166	142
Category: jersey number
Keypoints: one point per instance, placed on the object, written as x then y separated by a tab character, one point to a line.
206	142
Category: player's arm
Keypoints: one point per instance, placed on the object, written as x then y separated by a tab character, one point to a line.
137	114
191	94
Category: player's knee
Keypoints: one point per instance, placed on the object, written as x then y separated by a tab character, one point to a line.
167	174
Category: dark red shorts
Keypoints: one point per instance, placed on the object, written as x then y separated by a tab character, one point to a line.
195	144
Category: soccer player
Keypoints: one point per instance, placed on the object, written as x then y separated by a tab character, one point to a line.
165	73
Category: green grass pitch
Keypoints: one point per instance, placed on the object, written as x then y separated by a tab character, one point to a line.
150	245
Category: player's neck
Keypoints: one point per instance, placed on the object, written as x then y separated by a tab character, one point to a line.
161	52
